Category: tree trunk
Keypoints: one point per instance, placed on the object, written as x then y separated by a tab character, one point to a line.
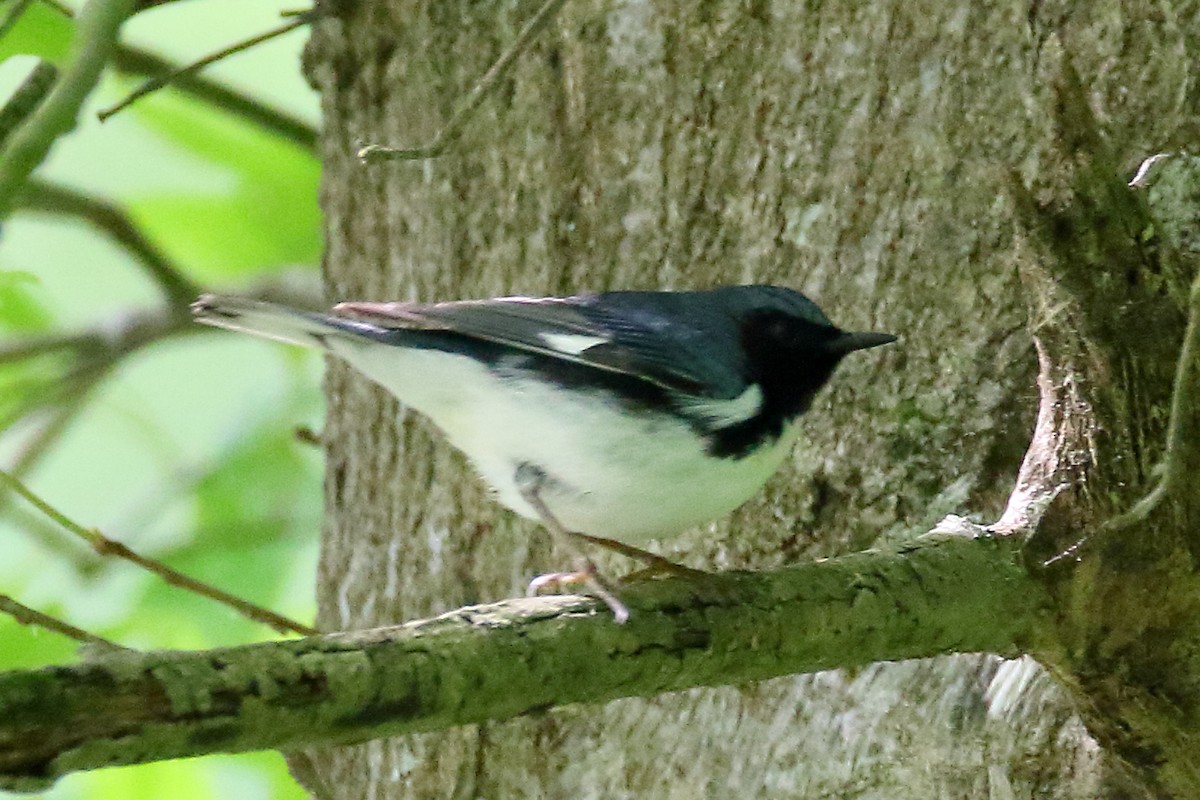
861	153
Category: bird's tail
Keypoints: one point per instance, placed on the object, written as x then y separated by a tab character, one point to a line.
282	323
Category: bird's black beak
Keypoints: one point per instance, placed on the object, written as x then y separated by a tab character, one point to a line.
849	341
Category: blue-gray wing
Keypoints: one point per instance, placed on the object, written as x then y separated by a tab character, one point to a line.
653	336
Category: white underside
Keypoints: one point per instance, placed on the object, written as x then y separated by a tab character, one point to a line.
641	479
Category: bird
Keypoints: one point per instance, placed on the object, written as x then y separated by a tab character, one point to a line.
621	416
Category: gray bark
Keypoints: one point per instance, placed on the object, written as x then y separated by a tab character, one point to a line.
859	152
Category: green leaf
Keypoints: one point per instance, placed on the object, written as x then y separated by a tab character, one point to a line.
40	31
268	217
20	309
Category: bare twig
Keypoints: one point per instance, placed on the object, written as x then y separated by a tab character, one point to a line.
96	353
109	547
143	5
112	220
60	7
306	435
458	120
96	35
49	539
28	616
154	84
141	62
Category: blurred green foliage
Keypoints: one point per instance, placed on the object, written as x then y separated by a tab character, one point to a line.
185	449
261	226
40	31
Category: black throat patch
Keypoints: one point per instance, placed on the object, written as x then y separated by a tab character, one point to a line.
788	358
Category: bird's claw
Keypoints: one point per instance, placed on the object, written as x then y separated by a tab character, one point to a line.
554	583
586	578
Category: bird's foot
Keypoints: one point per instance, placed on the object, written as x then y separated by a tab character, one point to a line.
531	479
587	577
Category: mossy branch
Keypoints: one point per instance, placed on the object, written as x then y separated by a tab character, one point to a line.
939	595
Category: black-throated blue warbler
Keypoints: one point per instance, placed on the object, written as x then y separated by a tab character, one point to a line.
622	415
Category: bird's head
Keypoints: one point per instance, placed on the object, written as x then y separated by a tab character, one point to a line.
789	350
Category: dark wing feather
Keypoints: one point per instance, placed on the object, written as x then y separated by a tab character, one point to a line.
622	332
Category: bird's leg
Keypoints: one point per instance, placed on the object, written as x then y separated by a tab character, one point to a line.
655	564
530	480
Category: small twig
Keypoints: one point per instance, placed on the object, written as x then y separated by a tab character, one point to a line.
458	119
111	219
154	84
109	547
28	616
143	5
26	99
40	442
50	540
32	347
306	435
13	16
60	7
32	452
135	60
228	100
95	354
111	342
96	29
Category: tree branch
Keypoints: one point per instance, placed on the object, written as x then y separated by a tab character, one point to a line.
28	96
96	32
1109	303
111	219
159	81
142	62
134	60
30	616
105	546
938	595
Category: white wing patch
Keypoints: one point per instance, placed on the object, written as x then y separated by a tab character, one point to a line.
571	344
725	413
